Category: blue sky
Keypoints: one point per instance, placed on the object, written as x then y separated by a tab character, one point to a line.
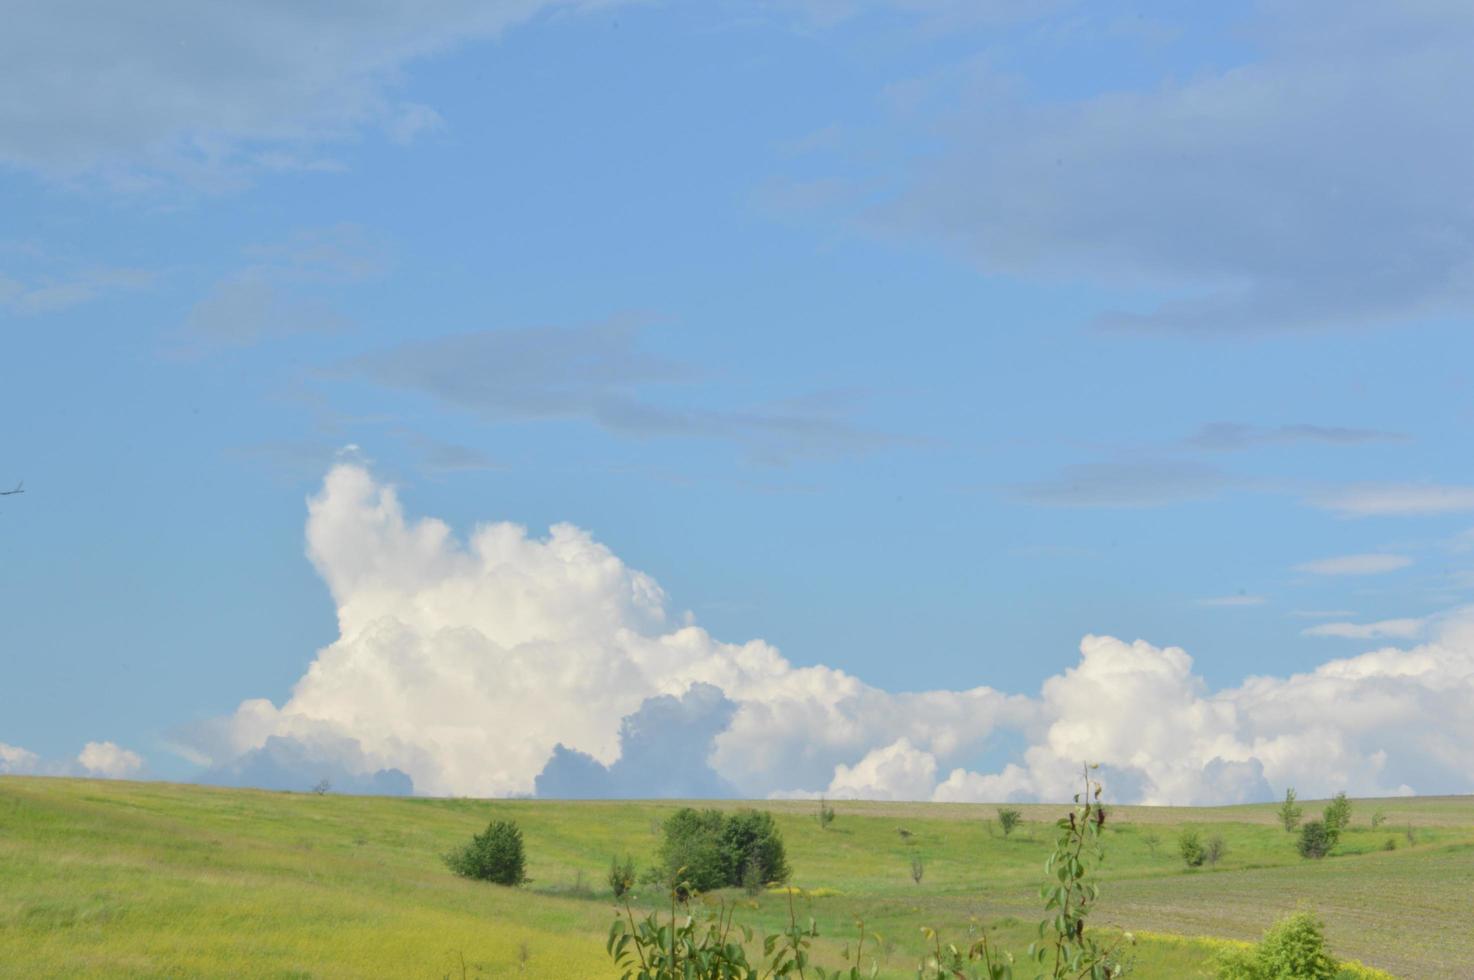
918	339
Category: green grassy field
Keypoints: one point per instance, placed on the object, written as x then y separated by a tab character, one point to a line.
118	879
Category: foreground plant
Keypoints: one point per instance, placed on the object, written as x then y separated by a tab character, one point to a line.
714	947
1064	949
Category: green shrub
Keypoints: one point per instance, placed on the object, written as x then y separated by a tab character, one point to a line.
1293	949
1190	846
1390	844
826	814
1316	840
704	850
494	855
1008	819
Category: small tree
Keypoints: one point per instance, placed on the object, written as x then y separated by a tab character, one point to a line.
621	876
1215	850
1008	819
1378	819
493	855
1316	840
918	868
322	787
826	814
1190	846
1152	840
1289	812
1337	816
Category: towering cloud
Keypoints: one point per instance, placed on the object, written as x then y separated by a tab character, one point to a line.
507	664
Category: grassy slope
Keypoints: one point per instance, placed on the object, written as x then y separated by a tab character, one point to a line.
136	879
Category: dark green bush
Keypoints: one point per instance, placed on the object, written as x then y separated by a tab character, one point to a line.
1316	840
751	837
706	849
1009	818
494	855
1337	816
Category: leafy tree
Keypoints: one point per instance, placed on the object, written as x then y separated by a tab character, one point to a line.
1190	846
1378	819
1316	840
826	814
1009	818
1293	949
494	855
751	838
691	857
1152	840
1289	812
1337	816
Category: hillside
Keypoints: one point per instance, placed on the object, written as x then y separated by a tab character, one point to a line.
102	878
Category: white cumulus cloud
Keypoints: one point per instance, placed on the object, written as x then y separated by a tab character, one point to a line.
109	760
466	665
16	761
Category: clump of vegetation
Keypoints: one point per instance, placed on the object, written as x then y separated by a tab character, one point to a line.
1153	841
1190	846
712	947
1316	840
1215	850
1390	844
918	868
826	814
621	876
494	855
1337	814
322	787
1293	949
1289	812
1319	837
1009	819
1378	819
706	849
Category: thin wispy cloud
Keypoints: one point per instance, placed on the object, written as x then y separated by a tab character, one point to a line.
1138	483
1364	564
1397	500
1231	601
1386	629
1226	436
215	94
283	290
606	373
1266	195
